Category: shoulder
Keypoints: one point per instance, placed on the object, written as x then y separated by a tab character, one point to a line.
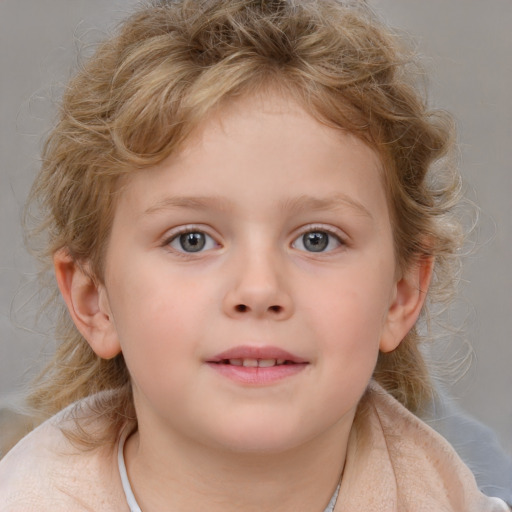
477	444
428	472
45	471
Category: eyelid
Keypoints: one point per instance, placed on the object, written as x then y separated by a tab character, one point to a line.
328	228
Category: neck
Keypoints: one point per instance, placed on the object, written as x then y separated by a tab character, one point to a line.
180	476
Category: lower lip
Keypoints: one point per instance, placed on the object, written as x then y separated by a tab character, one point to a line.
257	376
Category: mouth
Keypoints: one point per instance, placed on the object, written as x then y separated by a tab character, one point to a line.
257	365
250	356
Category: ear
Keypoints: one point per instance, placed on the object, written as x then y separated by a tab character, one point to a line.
88	304
410	293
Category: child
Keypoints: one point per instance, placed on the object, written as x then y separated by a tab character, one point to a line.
244	219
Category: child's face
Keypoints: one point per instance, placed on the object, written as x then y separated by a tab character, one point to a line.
268	237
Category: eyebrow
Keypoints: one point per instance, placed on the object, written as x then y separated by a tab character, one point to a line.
190	202
296	204
331	202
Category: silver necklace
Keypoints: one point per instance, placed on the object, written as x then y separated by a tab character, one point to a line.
132	502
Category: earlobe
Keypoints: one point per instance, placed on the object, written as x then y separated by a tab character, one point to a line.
410	294
88	305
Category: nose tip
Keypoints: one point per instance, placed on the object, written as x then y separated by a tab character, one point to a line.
258	291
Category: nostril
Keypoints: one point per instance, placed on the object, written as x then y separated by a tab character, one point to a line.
242	308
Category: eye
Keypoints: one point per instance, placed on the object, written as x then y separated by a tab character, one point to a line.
317	241
192	241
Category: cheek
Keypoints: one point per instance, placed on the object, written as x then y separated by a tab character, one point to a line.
155	323
352	335
353	306
350	328
348	317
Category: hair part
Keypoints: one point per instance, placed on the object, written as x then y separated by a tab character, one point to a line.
167	67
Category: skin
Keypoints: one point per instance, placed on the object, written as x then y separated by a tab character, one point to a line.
256	177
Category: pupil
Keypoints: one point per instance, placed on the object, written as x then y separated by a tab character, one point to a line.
192	242
316	241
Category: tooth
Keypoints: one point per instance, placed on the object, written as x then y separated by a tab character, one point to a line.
280	361
235	362
252	363
266	363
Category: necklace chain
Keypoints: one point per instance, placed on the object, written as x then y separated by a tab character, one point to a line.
132	502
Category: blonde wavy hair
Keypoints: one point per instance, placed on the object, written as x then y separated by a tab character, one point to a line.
166	67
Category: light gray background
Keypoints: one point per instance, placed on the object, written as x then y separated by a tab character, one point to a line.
467	46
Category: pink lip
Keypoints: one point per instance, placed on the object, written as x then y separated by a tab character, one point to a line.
257	376
251	352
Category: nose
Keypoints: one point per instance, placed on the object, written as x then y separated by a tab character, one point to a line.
258	289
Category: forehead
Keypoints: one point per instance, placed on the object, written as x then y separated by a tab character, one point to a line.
269	108
257	150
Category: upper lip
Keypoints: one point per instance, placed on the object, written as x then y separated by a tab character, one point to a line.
254	352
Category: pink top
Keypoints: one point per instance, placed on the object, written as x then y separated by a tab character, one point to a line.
395	463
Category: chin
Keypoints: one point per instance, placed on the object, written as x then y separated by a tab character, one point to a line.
269	439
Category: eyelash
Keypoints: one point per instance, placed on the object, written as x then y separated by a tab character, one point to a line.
300	238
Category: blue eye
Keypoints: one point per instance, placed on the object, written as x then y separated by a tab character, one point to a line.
192	241
317	241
